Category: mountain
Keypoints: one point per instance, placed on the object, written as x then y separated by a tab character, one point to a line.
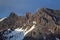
44	24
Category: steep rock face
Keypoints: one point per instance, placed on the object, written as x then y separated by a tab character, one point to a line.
47	25
9	21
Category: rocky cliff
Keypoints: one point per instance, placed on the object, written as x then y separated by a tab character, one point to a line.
47	25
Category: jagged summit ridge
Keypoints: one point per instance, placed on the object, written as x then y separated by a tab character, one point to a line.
47	23
12	14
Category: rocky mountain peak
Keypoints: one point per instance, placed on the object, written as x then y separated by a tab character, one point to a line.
47	23
12	14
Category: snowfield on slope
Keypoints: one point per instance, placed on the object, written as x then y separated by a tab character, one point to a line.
17	34
2	19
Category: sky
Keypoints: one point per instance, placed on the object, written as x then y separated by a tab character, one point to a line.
20	7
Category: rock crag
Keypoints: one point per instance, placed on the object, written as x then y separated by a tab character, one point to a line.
47	25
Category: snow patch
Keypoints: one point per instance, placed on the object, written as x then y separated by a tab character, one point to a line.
51	30
57	39
29	30
14	35
34	22
2	19
19	29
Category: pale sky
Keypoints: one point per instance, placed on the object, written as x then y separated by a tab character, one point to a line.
20	7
